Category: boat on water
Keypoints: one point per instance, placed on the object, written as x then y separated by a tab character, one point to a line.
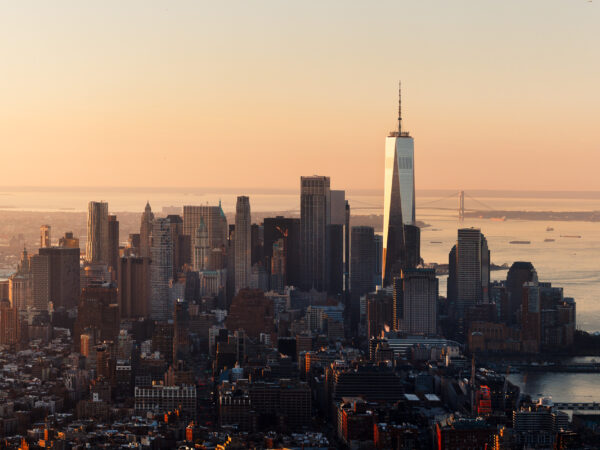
435	242
574	236
549	229
520	242
549	240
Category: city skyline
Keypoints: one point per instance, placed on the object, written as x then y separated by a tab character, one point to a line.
263	78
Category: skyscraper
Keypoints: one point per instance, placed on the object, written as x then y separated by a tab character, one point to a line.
96	250
45	236
40	281
63	275
113	244
519	273
216	226
201	248
399	198
469	273
134	287
362	267
418	295
243	247
161	269
288	230
146	231
314	218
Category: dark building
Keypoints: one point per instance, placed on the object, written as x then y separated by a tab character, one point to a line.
469	271
287	229
335	259
412	246
113	245
257	240
314	218
97	314
519	273
372	382
134	287
251	311
362	261
379	313
63	275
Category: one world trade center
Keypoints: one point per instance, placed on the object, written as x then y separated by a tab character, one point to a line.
399	198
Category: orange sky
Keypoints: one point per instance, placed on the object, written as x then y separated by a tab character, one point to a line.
497	94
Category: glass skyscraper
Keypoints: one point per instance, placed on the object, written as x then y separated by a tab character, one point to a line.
399	199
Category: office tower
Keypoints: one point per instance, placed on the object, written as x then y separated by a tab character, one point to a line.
288	230
251	311
181	331
161	270
181	244
133	244
201	248
336	238
335	259
63	275
146	231
215	222
519	273
45	237
378	258
362	266
19	291
230	290
380	309
399	198
96	250
278	266
418	293
242	243
134	287
347	248
257	239
9	324
113	244
40	281
530	317
469	273
68	241
314	218
97	314
412	246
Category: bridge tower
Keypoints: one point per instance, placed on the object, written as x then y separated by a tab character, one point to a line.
461	206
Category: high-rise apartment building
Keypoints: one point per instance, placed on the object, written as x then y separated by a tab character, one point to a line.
161	270
45	236
243	249
314	218
216	226
418	293
469	270
96	250
399	199
63	275
146	231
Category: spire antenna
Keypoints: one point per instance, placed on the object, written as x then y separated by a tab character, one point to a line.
399	107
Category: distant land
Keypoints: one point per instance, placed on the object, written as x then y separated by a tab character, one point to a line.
578	216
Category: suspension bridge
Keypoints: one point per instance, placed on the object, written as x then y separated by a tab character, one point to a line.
435	204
